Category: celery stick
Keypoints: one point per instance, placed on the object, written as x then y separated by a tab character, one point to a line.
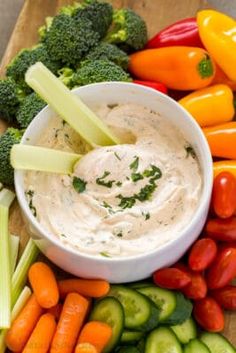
14	247
69	106
6	198
23	298
20	274
43	159
20	303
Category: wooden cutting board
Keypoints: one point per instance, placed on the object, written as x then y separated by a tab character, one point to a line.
157	14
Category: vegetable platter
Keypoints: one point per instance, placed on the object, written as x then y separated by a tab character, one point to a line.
157	13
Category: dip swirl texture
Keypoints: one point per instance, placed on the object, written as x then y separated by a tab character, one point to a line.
121	200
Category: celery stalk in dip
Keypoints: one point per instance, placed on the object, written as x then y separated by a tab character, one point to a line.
121	200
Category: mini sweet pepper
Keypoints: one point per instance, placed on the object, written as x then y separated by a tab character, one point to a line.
211	105
222	140
217	32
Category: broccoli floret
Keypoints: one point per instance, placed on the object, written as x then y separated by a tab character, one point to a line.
10	98
9	138
66	76
99	71
29	108
27	57
99	13
69	39
45	28
129	30
69	9
110	52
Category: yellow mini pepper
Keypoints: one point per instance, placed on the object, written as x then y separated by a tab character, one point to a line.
218	34
210	106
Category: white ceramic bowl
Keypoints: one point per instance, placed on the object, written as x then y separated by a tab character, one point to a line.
125	269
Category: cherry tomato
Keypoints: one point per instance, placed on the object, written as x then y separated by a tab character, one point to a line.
209	314
223	269
197	288
225	297
202	254
224	195
221	229
171	278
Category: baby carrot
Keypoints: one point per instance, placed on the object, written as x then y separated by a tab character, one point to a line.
55	311
96	333
44	284
41	337
86	287
71	320
85	348
23	325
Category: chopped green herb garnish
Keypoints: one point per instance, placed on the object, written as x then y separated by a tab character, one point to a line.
190	151
136	176
105	254
120	235
146	192
118	183
79	184
101	181
153	171
63	235
134	165
106	205
126	202
30	194
117	156
146	215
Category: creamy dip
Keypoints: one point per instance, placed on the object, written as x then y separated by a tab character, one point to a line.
121	200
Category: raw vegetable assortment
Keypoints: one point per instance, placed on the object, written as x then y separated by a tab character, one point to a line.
195	54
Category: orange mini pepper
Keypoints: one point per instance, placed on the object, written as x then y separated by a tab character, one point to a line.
180	68
211	105
217	32
222	140
224	166
220	77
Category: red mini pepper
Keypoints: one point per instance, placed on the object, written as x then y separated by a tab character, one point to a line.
183	32
158	86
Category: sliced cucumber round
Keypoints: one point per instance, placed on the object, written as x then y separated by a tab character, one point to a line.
162	340
164	299
182	312
140	312
127	349
185	331
217	343
130	337
196	346
110	310
141	284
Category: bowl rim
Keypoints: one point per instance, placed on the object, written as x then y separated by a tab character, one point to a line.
207	171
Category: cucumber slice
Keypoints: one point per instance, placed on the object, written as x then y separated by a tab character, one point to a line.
110	310
141	284
130	337
140	312
164	299
182	312
185	331
127	349
196	346
162	340
141	345
217	343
